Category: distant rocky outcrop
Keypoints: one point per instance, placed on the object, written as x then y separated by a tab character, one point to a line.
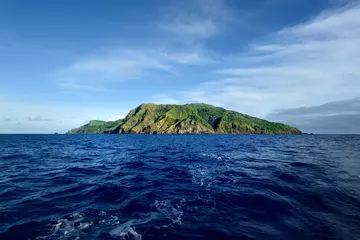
184	119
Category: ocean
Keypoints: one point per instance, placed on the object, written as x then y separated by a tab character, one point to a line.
179	187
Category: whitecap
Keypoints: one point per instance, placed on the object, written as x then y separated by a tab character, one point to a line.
126	230
169	211
85	225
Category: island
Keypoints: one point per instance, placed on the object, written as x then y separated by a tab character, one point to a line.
196	118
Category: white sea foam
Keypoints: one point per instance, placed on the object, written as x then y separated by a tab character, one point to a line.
68	228
72	227
85	225
127	230
167	210
204	176
211	155
102	213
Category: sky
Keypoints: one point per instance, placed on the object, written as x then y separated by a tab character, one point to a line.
63	63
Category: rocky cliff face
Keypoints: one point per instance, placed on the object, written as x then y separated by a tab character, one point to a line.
186	119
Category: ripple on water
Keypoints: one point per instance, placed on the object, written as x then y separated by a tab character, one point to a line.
179	187
16	157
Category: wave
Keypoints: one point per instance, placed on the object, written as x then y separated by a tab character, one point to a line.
188	187
16	156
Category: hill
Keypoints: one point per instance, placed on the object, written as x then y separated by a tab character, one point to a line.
95	127
185	119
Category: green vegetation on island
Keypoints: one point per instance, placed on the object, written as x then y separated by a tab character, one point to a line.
95	127
184	119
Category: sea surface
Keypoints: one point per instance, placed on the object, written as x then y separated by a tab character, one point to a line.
179	187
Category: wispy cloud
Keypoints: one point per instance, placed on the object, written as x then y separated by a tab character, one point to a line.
194	20
350	106
232	93
307	64
71	84
108	67
180	31
197	28
30	117
96	72
10	119
118	64
164	99
333	117
38	119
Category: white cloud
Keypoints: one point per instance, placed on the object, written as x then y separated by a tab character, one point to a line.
197	28
196	19
180	29
71	84
115	117
231	95
332	118
188	58
9	119
339	23
115	65
112	66
38	119
307	64
94	73
24	117
164	99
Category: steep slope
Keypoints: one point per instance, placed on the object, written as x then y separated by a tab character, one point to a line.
188	118
96	127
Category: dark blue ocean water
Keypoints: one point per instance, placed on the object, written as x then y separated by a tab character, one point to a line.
179	187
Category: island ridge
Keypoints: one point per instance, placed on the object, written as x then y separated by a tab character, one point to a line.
197	118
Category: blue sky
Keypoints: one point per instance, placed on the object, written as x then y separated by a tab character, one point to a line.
63	63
